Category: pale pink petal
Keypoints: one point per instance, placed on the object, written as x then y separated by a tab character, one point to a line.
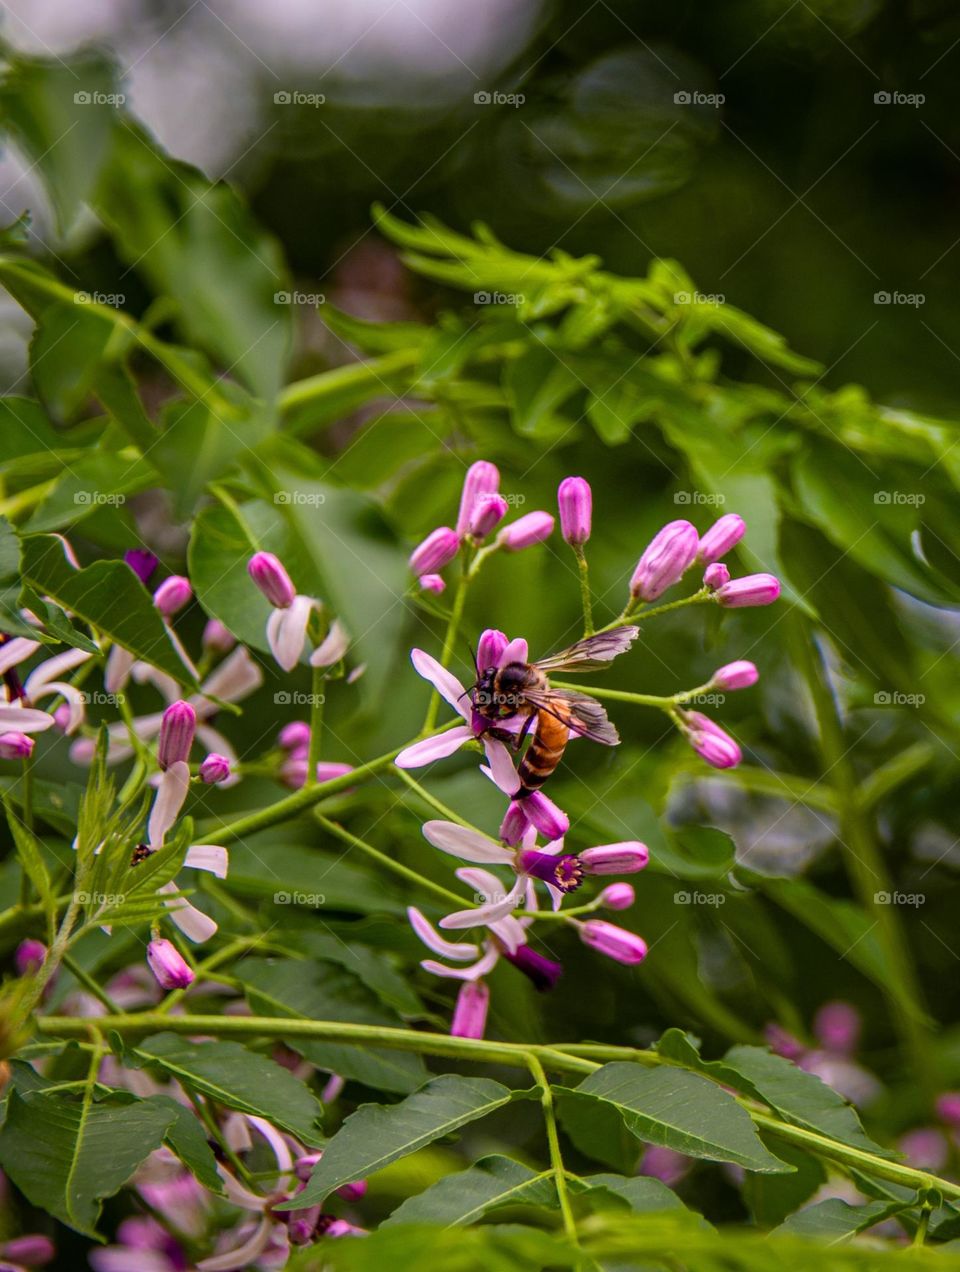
244	1255
71	695
209	857
14	652
193	923
437	747
468	845
117	671
474	972
214	740
554	847
333	646
53	669
24	719
236	1133
511	932
236	678
434	941
171	793
497	907
502	772
556	896
145	673
445	682
182	653
276	1141
515	652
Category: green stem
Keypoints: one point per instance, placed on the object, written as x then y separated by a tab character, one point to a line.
553	1145
618	695
586	600
431	800
87	981
317	684
450	639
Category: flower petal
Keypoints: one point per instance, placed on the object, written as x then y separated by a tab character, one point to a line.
208	857
193	923
434	941
13	652
502	773
474	972
119	665
498	906
244	1255
287	631
511	932
333	646
24	719
433	748
171	793
53	669
468	845
445	682
236	678
516	651
70	694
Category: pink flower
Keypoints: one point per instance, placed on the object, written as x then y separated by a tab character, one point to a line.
752	589
432	583
29	956
716	575
664	561
735	675
623	858
271	577
575	500
615	942
482	479
724	534
711	742
172	594
470	1014
294	735
436	551
526	531
15	746
142	562
535	809
333	648
168	965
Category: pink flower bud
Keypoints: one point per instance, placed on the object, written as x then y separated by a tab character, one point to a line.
948	1107
526	531
837	1026
353	1192
142	562
29	957
537	810
215	768
437	550
168	966
432	583
608	859
482	479
716	575
724	534
752	589
61	717
735	675
618	896
665	559
615	942
294	735
488	512
575	501
31	1250
783	1043
218	637
15	746
176	733
294	770
268	572
470	1014
172	594
712	743
489	648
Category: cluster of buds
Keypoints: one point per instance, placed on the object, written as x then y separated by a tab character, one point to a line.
482	509
678	546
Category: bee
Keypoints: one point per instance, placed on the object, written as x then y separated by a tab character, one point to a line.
141	853
522	689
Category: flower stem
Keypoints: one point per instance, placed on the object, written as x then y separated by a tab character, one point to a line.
585	598
449	640
316	724
553	1145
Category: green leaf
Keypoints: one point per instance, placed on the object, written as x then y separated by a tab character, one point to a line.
422	1247
66	1156
321	991
199	443
640	1192
537	384
675	1109
26	431
468	1195
391	985
30	856
187	1137
377	1134
835	1220
107	595
772	1197
238	1078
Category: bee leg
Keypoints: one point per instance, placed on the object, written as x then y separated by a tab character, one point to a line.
520	738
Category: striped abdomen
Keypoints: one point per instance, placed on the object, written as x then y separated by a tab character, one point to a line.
544	752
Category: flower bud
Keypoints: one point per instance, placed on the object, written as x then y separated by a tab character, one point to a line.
294	735
437	550
526	531
665	559
735	675
61	718
470	1013
16	746
615	942
432	583
218	637
542	971
837	1026
172	594
724	534
618	896
489	648
948	1107
215	768
31	1250
710	742
482	479
537	810
270	576
168	966
575	500
355	1191
142	562
608	859
176	733
29	956
752	589
716	575
488	512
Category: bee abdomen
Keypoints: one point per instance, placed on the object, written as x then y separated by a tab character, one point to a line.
544	752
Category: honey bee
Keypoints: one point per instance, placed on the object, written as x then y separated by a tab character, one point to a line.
141	853
522	689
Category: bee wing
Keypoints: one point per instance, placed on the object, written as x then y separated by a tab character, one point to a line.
581	714
592	653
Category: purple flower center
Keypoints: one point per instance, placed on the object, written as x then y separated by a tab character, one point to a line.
564	872
543	971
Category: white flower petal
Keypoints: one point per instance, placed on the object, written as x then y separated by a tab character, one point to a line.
117	671
13	652
244	1255
497	907
24	719
474	972
193	923
145	673
433	940
511	932
333	646
445	682
53	669
71	695
503	774
236	678
436	747
171	793
287	631
209	857
468	845
556	896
